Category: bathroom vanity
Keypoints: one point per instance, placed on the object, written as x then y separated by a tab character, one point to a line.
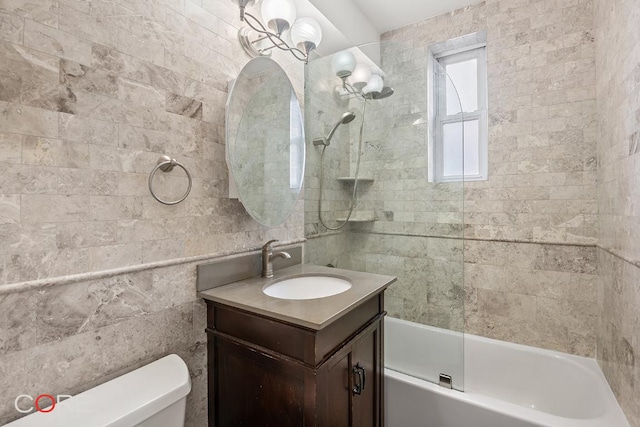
279	362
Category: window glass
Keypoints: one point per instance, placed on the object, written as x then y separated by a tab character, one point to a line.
452	149
464	75
471	147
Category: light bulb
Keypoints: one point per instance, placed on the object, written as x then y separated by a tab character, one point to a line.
343	63
360	76
278	14
306	34
375	84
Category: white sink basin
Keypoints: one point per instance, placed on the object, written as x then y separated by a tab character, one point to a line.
307	287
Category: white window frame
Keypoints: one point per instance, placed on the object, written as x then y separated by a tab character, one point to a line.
440	117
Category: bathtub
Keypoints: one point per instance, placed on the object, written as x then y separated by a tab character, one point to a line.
505	384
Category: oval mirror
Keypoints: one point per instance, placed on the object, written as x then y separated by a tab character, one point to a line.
265	141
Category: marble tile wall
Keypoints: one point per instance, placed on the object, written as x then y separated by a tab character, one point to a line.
430	285
323	109
542	151
618	97
542	295
619	330
328	248
539	204
91	97
542	178
91	94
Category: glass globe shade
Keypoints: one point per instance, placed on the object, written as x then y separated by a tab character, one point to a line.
375	84
343	63
278	14
360	76
306	34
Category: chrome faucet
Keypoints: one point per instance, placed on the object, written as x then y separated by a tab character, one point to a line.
267	258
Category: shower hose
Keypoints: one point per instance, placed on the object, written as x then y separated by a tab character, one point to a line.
355	183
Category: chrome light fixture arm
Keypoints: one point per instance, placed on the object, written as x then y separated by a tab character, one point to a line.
275	39
351	90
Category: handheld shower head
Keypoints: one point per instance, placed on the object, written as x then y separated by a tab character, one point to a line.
346	118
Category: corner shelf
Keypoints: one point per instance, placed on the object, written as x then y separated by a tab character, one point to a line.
351	179
359	217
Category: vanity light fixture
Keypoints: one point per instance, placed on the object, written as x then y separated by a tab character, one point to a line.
280	16
343	63
360	76
374	84
357	78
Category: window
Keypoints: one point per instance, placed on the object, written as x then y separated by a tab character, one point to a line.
459	111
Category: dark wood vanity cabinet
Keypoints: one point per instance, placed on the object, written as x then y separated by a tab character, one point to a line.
266	372
353	383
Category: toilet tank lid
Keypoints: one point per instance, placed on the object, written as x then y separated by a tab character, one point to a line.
124	401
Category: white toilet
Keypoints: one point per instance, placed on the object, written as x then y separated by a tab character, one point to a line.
152	396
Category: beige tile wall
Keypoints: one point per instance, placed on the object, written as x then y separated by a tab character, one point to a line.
86	115
618	95
323	109
541	87
327	248
538	206
91	94
619	330
535	294
430	285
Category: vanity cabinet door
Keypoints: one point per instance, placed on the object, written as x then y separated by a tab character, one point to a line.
366	378
254	389
351	382
337	410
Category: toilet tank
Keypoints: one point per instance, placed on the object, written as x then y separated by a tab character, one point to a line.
153	395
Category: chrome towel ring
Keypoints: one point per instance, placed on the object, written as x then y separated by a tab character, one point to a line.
166	164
